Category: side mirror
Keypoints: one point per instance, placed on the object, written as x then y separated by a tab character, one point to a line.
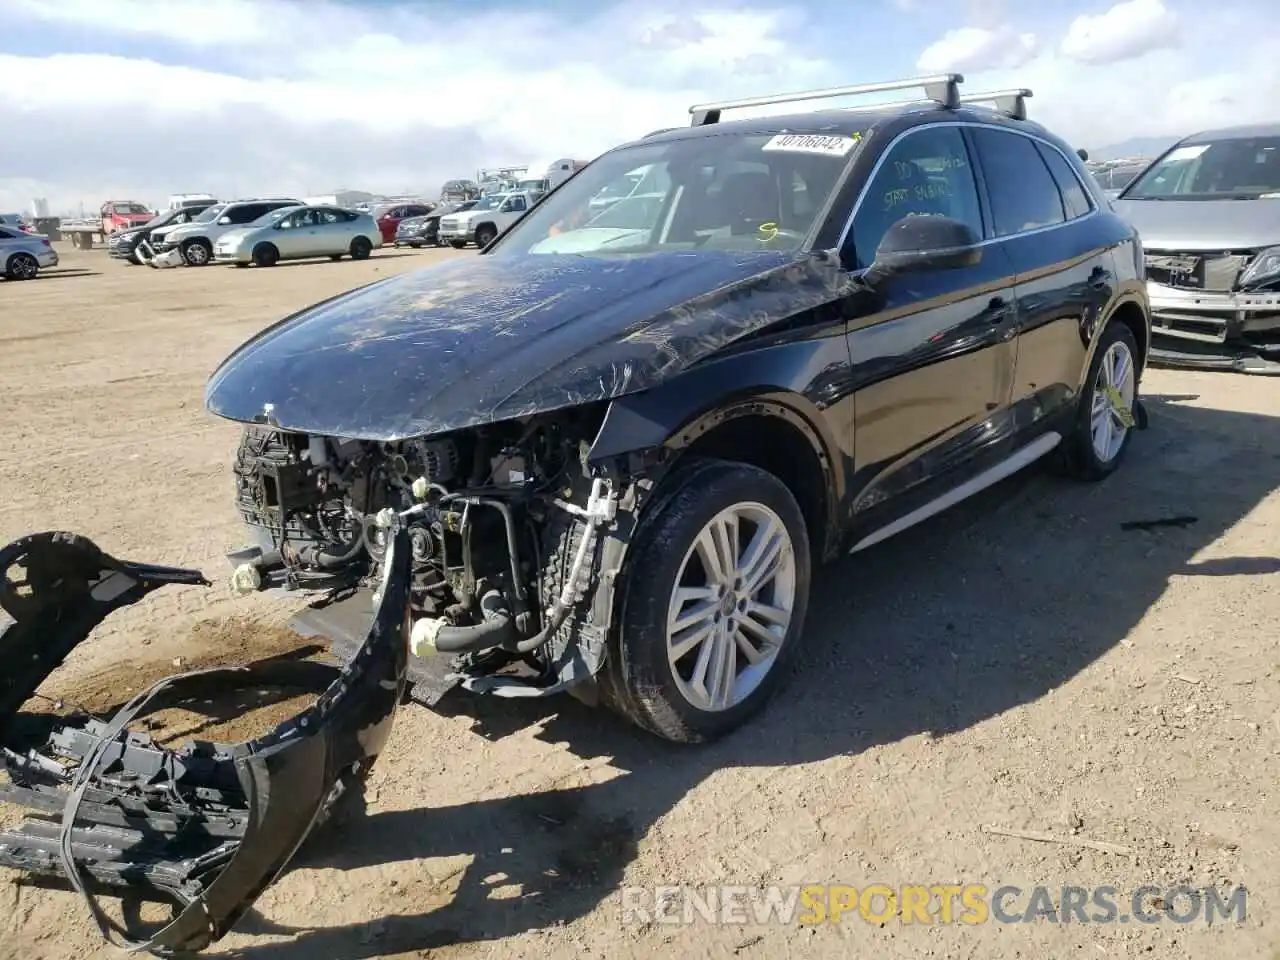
1083	154
924	243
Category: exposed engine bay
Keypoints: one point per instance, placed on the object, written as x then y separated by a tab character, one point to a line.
503	522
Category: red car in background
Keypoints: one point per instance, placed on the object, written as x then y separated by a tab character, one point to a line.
389	217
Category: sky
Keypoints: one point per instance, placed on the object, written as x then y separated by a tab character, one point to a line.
138	99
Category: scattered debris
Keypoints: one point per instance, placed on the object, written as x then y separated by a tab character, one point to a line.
1100	845
1187	679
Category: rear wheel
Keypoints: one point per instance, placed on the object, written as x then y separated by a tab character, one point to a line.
361	248
22	266
1106	417
266	255
484	235
713	603
197	253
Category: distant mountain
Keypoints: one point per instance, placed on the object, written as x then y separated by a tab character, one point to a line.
1136	147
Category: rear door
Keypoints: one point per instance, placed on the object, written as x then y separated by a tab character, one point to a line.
1064	273
333	231
932	353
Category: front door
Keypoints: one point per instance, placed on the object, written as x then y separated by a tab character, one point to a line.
932	353
1062	258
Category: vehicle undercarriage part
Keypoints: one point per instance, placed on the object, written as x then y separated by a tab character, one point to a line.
205	827
1261	360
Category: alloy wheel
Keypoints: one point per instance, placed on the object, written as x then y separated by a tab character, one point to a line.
1111	413
731	606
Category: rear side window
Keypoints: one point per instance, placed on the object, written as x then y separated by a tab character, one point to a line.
1023	194
246	214
1074	197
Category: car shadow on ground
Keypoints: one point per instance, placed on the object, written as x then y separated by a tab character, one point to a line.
916	636
317	261
68	274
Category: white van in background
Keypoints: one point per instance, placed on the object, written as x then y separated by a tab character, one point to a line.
180	201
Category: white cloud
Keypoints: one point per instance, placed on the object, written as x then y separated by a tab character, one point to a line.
300	96
1127	30
304	96
978	48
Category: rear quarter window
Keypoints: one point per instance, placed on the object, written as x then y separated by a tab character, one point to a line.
1074	197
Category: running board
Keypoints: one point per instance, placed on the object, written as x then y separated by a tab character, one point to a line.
1005	468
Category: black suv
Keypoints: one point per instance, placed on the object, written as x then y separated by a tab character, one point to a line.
620	441
123	245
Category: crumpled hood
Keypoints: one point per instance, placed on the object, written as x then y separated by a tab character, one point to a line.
1203	225
486	338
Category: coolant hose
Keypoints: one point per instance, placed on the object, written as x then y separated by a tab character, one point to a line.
491	632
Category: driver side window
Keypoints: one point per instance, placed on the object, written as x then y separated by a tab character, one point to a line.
926	173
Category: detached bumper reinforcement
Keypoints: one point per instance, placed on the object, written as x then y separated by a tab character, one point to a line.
1192	355
206	827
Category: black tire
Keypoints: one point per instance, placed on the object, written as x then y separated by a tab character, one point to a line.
416	244
361	248
197	252
639	681
266	255
1078	457
485	234
22	266
457	244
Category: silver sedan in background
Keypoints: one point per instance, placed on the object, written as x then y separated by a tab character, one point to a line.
298	233
22	255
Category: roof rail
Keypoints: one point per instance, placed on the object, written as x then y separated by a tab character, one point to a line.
1012	103
942	88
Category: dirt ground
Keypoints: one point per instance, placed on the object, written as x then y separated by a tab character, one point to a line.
1023	662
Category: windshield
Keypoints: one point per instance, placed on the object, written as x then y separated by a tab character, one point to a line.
491	202
211	214
722	192
1245	168
129	208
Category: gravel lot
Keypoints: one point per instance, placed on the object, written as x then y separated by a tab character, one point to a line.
1022	662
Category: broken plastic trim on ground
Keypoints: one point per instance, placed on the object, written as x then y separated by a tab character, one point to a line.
205	826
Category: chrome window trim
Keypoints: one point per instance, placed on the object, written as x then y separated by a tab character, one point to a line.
889	148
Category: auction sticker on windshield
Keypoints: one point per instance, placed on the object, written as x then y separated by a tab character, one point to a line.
810	143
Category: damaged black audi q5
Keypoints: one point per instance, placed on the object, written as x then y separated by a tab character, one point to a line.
604	456
621	440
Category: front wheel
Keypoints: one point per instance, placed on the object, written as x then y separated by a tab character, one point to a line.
197	253
713	603
485	235
1107	414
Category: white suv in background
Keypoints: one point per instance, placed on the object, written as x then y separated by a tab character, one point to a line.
197	238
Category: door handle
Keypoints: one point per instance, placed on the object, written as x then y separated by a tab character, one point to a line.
1100	279
998	310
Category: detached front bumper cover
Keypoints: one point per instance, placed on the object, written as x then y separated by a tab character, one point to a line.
206	826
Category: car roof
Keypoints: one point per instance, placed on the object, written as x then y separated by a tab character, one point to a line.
845	122
1241	132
